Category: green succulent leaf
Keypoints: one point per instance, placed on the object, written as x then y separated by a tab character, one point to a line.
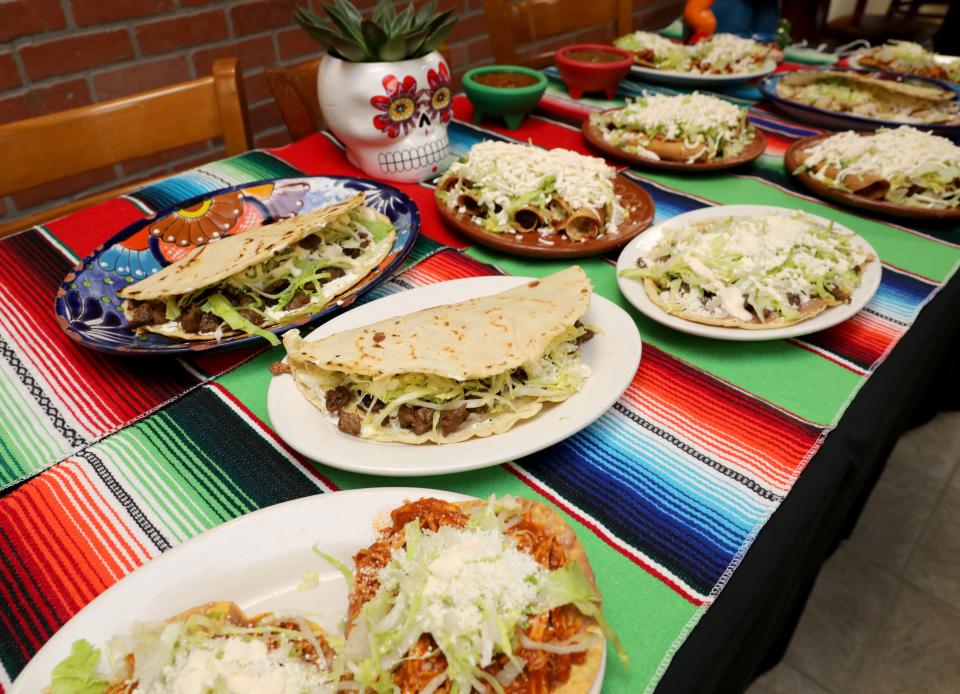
384	14
350	50
437	37
404	21
348	28
373	36
394	49
415	42
426	12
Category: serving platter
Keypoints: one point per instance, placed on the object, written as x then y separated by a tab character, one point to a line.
834	120
825	190
87	306
753	149
632	196
689	79
612	355
634	292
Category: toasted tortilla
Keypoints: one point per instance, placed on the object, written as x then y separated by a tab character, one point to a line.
809	310
583	675
801	78
865	184
214	262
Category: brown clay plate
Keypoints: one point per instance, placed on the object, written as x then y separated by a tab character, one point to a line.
640	215
791	162
754	148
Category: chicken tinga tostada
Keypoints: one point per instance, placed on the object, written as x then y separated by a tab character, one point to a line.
210	648
690	128
720	54
870	97
450	373
902	166
492	596
910	58
757	272
519	189
263	278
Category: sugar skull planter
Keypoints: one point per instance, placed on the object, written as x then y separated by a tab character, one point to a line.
392	116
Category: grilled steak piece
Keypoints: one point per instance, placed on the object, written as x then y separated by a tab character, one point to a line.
336	399
191	318
451	420
419	420
146	313
299	300
367	400
252	316
349	423
277	287
209	323
311	243
334	272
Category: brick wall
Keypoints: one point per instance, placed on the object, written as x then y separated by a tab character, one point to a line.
58	54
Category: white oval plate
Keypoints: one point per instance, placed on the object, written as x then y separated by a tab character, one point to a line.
612	355
257	561
690	79
633	289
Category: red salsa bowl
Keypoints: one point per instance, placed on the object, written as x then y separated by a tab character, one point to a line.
593	67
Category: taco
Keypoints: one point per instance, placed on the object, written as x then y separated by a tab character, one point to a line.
451	373
212	647
903	166
510	188
687	128
754	272
263	278
871	97
494	595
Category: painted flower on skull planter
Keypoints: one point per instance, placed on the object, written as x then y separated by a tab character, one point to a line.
392	117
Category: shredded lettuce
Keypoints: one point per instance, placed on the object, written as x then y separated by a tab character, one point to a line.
337	564
77	673
218	305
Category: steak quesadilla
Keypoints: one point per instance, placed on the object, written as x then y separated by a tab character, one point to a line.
263	278
755	272
474	596
450	373
210	648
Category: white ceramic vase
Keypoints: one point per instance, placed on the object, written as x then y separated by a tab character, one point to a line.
392	117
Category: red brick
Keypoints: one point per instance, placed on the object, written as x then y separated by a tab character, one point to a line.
57	190
458	57
40	101
9	75
141	76
252	53
196	3
153	161
73	53
255	86
295	43
90	12
167	35
468	27
277	138
25	17
478	51
265	116
259	15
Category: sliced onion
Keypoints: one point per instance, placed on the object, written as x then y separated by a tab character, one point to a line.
434	684
560	647
509	673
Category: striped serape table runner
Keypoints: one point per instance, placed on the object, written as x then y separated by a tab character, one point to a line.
667	490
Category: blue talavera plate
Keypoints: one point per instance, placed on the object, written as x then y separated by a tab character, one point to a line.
88	308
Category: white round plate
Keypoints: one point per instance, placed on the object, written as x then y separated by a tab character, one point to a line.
257	561
612	355
634	291
689	79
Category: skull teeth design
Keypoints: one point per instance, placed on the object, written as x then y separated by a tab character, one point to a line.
414	158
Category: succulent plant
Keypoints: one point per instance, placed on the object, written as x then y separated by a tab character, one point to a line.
385	36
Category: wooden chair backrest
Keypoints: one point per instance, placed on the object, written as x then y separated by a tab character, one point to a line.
294	88
48	148
512	24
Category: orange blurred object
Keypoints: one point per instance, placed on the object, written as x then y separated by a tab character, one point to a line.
700	19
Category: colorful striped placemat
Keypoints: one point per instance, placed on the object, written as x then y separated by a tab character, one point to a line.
667	490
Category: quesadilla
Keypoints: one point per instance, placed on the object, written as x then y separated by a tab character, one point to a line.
210	648
521	189
753	272
450	373
903	166
263	278
870	97
687	128
494	595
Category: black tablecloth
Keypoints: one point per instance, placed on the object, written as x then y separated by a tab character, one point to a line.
748	628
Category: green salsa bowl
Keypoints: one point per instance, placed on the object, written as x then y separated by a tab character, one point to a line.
505	91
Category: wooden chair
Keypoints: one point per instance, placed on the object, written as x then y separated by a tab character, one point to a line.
294	88
56	146
511	24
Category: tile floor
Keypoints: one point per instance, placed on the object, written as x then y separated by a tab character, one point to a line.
884	615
